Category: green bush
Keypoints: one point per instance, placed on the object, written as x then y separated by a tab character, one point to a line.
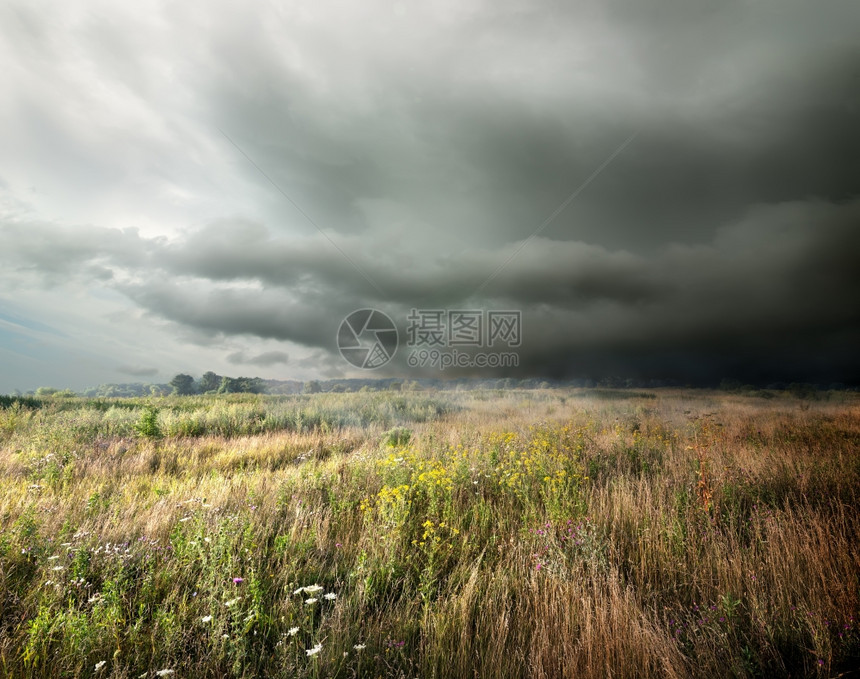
147	425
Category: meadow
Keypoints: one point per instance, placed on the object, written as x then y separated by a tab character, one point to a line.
546	533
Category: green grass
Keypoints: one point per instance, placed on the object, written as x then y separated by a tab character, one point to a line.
491	534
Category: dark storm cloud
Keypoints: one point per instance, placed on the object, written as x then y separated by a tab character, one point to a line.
731	110
269	314
773	292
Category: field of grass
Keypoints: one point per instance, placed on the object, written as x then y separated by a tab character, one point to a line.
535	534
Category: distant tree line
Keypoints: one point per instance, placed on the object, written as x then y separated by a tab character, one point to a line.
212	383
126	390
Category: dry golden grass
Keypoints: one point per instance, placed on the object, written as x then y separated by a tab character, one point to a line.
508	534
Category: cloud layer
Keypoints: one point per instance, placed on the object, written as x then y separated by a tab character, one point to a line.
768	294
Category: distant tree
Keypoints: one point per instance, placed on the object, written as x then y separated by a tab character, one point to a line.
209	382
252	385
228	385
312	387
242	385
183	385
46	391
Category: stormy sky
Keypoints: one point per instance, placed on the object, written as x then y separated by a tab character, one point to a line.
664	188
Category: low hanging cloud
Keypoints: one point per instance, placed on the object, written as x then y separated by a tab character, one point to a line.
137	371
265	360
759	297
